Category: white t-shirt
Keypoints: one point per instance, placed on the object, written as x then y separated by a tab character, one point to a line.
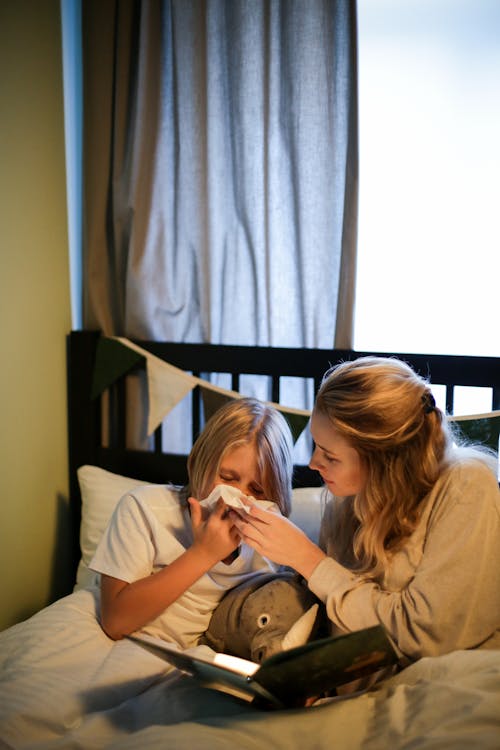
148	530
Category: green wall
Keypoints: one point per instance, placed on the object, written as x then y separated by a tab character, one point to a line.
34	309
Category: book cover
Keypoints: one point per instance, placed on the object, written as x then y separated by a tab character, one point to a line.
290	677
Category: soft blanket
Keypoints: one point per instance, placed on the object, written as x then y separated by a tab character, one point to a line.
65	684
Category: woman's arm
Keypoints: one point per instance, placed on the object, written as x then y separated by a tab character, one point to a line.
443	587
126	607
278	539
444	592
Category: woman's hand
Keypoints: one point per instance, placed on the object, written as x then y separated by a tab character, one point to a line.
215	534
278	539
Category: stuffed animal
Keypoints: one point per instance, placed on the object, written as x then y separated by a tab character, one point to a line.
265	615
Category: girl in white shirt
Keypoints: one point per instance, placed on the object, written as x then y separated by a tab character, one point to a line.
166	560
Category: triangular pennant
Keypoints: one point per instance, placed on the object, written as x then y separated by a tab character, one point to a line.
113	359
297	422
480	428
167	385
214	399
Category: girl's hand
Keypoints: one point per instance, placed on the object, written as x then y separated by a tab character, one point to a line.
277	538
215	534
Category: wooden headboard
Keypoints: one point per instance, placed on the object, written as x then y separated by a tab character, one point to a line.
85	417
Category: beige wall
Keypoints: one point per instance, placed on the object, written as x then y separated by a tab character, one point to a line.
34	307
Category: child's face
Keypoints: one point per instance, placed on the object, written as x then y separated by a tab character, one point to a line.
336	460
239	468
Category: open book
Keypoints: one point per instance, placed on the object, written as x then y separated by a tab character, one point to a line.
290	677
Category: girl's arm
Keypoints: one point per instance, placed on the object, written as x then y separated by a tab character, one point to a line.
126	607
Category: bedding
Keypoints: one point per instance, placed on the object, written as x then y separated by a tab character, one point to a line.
65	684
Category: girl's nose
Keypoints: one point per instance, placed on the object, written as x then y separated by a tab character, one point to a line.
241	486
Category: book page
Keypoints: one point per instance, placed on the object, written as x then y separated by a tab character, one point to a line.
163	648
289	677
242	666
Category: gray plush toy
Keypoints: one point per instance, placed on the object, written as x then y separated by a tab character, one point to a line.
263	616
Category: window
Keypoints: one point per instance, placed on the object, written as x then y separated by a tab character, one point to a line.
429	231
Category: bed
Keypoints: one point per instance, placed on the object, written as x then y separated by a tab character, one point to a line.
64	684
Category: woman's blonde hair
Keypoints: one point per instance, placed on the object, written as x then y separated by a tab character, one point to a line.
388	414
239	422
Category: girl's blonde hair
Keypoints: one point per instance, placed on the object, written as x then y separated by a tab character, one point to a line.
239	422
388	414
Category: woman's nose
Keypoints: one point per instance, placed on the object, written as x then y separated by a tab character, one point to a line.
313	463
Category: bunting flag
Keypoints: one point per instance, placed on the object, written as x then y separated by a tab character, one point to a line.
213	399
113	359
480	428
297	420
168	385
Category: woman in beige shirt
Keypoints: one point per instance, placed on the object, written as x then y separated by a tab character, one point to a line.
411	530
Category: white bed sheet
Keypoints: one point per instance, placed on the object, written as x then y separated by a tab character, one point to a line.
64	684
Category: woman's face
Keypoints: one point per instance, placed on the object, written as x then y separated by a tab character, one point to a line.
239	468
336	460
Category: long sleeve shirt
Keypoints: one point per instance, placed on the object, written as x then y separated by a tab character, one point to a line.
441	590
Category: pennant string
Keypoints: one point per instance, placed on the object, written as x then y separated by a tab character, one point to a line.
480	428
168	385
162	399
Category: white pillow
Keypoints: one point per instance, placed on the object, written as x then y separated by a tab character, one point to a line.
307	509
101	490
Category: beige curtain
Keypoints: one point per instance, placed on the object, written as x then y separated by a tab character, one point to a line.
220	170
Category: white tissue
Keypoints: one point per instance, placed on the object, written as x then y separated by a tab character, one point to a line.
234	498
